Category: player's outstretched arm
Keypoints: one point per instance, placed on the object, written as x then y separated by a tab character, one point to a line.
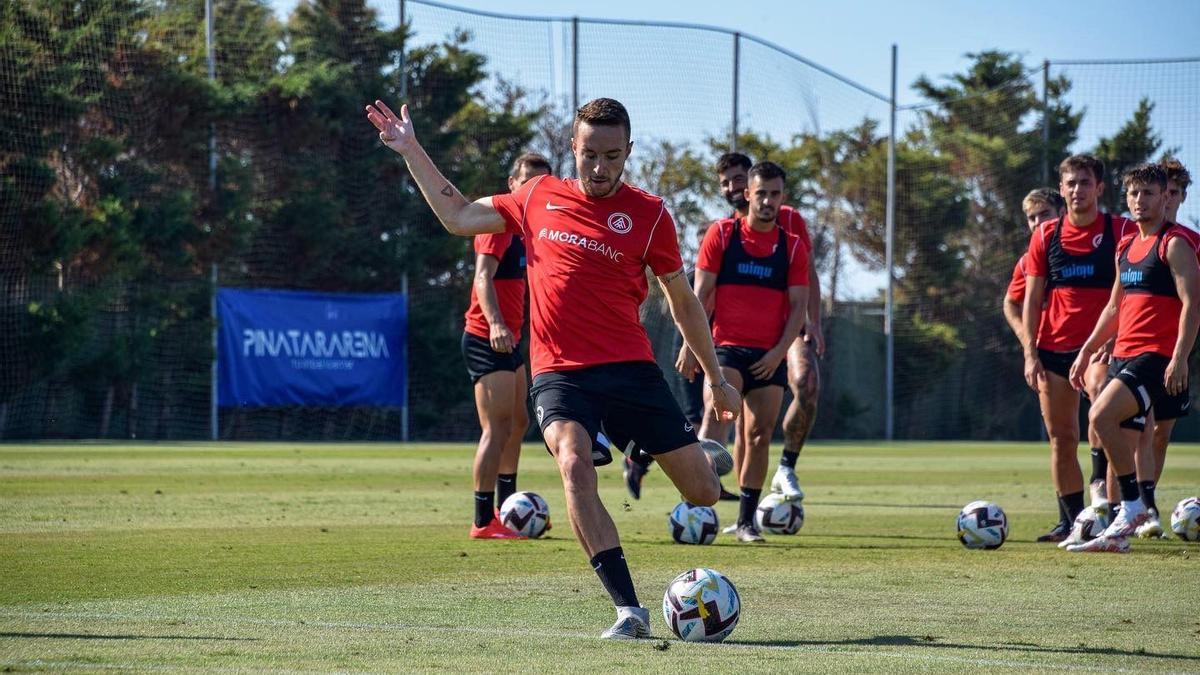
692	320
457	215
1184	268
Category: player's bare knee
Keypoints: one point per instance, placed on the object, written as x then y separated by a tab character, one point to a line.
704	491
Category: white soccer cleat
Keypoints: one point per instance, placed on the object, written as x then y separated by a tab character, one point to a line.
785	483
633	623
748	534
729	530
1075	538
1131	517
1152	528
1102	545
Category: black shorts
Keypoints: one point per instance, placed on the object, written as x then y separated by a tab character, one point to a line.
629	400
1058	363
483	360
1173	407
741	358
1143	374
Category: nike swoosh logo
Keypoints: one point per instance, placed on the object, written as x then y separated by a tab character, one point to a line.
555	207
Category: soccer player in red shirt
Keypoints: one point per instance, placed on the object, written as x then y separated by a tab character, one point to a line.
1154	312
754	276
1169	410
1069	274
802	371
588	243
490	347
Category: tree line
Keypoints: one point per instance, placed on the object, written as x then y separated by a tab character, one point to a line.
112	218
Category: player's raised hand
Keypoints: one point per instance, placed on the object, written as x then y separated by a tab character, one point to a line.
395	131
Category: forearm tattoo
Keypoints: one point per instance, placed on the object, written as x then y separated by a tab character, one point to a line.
448	190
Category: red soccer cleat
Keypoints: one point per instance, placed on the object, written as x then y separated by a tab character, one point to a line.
494	530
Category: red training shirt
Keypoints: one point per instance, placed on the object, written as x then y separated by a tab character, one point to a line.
1016	285
1070	313
586	266
747	315
1147	322
510	292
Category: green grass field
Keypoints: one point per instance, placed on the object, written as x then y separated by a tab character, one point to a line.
261	557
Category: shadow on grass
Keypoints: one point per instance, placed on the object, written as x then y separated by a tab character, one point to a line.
932	641
94	636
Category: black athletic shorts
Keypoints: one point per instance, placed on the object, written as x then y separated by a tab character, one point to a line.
1143	374
1058	363
1173	407
483	360
741	358
630	400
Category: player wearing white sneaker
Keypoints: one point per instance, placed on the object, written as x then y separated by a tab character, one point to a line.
785	483
1154	313
754	277
633	623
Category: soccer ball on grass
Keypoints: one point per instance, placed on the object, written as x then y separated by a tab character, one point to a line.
1185	519
778	515
701	605
525	513
693	524
982	525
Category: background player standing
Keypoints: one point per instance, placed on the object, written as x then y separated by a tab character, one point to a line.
754	276
1154	312
490	347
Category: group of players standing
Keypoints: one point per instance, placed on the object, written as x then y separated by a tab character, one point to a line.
1107	307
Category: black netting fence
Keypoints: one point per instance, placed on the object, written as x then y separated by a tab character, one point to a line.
113	224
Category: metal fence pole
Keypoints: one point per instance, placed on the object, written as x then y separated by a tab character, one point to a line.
1045	122
213	416
404	278
574	64
889	337
403	61
737	63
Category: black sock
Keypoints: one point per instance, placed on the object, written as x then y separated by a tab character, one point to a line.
1113	511
1146	488
613	571
1062	509
1099	465
788	459
747	506
1074	504
506	485
485	507
1129	487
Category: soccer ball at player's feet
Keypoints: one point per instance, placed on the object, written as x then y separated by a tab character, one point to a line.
691	524
722	461
525	513
779	515
982	525
1185	519
701	605
1088	525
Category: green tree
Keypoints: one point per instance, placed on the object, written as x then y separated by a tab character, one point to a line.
1134	143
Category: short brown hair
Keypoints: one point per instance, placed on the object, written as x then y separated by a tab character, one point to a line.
1083	162
1047	196
766	171
1145	174
731	159
532	161
1176	172
604	112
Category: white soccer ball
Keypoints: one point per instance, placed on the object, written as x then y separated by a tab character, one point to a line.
701	605
1090	522
693	524
778	515
525	513
982	524
1185	519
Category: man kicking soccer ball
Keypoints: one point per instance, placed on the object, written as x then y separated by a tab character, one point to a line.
589	241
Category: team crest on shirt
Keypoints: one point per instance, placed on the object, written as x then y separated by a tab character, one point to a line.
1097	239
620	223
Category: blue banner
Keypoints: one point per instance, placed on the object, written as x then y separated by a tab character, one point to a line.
280	348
